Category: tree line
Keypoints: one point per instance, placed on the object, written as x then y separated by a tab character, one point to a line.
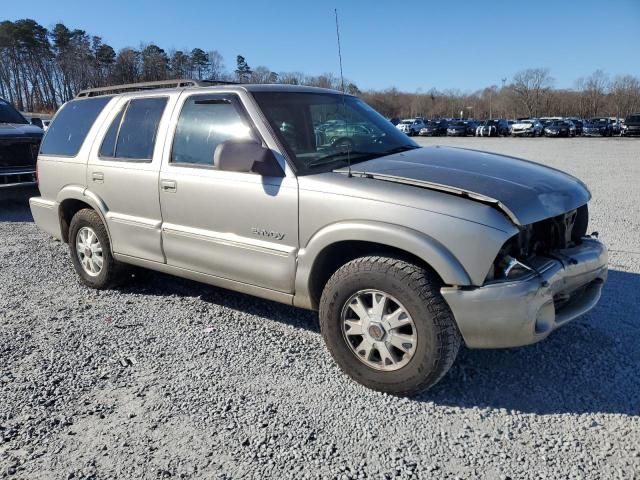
42	68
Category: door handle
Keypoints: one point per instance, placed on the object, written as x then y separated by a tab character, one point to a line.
97	177
169	186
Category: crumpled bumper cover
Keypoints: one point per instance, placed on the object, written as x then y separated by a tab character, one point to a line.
524	311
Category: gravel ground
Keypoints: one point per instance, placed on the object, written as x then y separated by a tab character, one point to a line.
167	378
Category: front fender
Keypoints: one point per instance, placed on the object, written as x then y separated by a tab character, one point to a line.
412	241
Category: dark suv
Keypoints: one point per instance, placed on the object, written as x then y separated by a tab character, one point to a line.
631	125
19	143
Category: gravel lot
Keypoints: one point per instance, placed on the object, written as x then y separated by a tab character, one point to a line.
167	378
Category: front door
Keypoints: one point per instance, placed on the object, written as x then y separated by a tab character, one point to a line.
233	225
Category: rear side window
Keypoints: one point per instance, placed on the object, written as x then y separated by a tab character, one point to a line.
69	129
132	133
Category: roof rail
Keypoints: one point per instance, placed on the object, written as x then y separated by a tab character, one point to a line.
134	87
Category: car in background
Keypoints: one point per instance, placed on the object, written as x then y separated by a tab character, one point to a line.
411	126
434	128
560	128
493	128
394	121
530	127
579	124
19	144
598	127
631	125
457	129
616	125
344	134
472	125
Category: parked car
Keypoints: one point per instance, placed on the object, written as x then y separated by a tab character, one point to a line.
457	129
19	143
560	128
579	124
345	134
411	126
631	125
493	128
472	125
616	125
434	128
204	183
599	126
527	128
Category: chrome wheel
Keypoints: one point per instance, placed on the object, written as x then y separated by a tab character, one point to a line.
379	330
89	251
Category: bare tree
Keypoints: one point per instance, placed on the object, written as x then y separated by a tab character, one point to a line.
594	88
625	95
530	86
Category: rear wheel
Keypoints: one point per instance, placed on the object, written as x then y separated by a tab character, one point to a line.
91	250
387	326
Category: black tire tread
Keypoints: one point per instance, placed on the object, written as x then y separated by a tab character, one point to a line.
426	285
113	269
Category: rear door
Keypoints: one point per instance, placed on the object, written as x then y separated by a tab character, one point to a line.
123	170
240	226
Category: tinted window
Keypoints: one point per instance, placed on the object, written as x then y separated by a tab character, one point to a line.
8	114
70	126
138	129
108	148
205	122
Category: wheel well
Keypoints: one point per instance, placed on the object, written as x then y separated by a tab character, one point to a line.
68	208
335	255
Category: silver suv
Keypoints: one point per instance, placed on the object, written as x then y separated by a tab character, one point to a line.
405	251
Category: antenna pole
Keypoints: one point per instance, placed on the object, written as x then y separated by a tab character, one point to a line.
344	107
335	10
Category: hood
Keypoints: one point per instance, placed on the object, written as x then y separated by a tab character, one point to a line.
522	125
19	130
525	191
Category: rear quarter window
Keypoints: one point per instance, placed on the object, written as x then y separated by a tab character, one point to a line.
69	128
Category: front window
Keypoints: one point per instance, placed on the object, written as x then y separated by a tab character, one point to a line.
8	114
325	131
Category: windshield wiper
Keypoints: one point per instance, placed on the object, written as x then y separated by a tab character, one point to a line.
338	157
400	149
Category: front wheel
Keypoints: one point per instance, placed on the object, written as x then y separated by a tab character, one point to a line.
387	326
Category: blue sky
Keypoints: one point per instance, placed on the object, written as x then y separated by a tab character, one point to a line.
419	44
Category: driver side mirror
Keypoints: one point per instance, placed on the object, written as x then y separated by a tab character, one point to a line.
37	122
246	155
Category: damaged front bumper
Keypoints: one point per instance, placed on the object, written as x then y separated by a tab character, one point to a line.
503	314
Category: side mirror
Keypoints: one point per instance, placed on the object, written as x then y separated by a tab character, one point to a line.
246	155
37	122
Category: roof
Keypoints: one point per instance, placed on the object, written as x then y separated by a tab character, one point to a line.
171	85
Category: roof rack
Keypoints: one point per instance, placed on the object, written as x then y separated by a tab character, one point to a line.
134	87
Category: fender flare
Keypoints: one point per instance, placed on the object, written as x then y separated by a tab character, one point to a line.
83	194
412	241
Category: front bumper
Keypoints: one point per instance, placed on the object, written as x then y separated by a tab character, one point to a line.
524	311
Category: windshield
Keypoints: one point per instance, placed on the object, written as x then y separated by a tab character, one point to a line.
8	114
407	122
633	118
325	131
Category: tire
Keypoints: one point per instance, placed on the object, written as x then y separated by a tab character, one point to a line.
88	220
436	339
